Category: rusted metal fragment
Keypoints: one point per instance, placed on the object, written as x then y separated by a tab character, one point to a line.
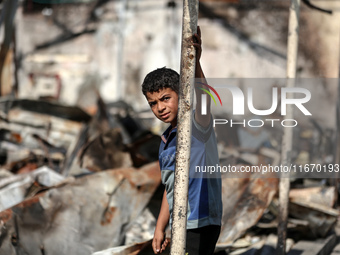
321	218
113	139
57	131
91	143
4	173
324	196
16	188
37	132
316	247
264	245
244	201
90	214
105	151
43	175
71	161
72	113
126	249
145	149
312	220
99	146
309	215
140	142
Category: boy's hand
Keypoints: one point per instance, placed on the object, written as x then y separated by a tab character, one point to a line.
159	242
197	43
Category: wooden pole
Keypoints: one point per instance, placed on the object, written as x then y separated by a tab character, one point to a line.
7	14
284	186
120	49
187	74
335	181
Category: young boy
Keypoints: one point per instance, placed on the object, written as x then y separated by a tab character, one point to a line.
160	88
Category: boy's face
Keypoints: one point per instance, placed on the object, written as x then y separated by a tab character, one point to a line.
164	104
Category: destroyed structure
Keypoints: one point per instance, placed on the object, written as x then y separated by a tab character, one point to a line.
79	171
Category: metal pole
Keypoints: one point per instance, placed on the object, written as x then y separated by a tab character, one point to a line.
187	74
293	38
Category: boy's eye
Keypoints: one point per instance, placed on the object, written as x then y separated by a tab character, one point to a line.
166	98
152	104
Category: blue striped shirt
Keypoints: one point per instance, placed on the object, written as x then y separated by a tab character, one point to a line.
204	191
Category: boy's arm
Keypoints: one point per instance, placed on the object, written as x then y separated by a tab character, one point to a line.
159	242
202	120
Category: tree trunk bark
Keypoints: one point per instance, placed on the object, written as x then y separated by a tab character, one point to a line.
187	74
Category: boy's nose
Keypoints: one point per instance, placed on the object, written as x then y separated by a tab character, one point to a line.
161	106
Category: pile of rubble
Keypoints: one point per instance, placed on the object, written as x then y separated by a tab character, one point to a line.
71	183
56	197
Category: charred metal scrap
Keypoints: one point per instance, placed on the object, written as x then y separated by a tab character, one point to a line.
81	217
113	138
244	202
36	133
315	207
137	248
17	188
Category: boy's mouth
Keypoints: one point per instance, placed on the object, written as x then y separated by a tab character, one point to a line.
164	116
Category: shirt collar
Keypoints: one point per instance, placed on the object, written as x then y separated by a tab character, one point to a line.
167	133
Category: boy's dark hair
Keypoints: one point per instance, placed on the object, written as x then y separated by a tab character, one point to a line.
159	79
